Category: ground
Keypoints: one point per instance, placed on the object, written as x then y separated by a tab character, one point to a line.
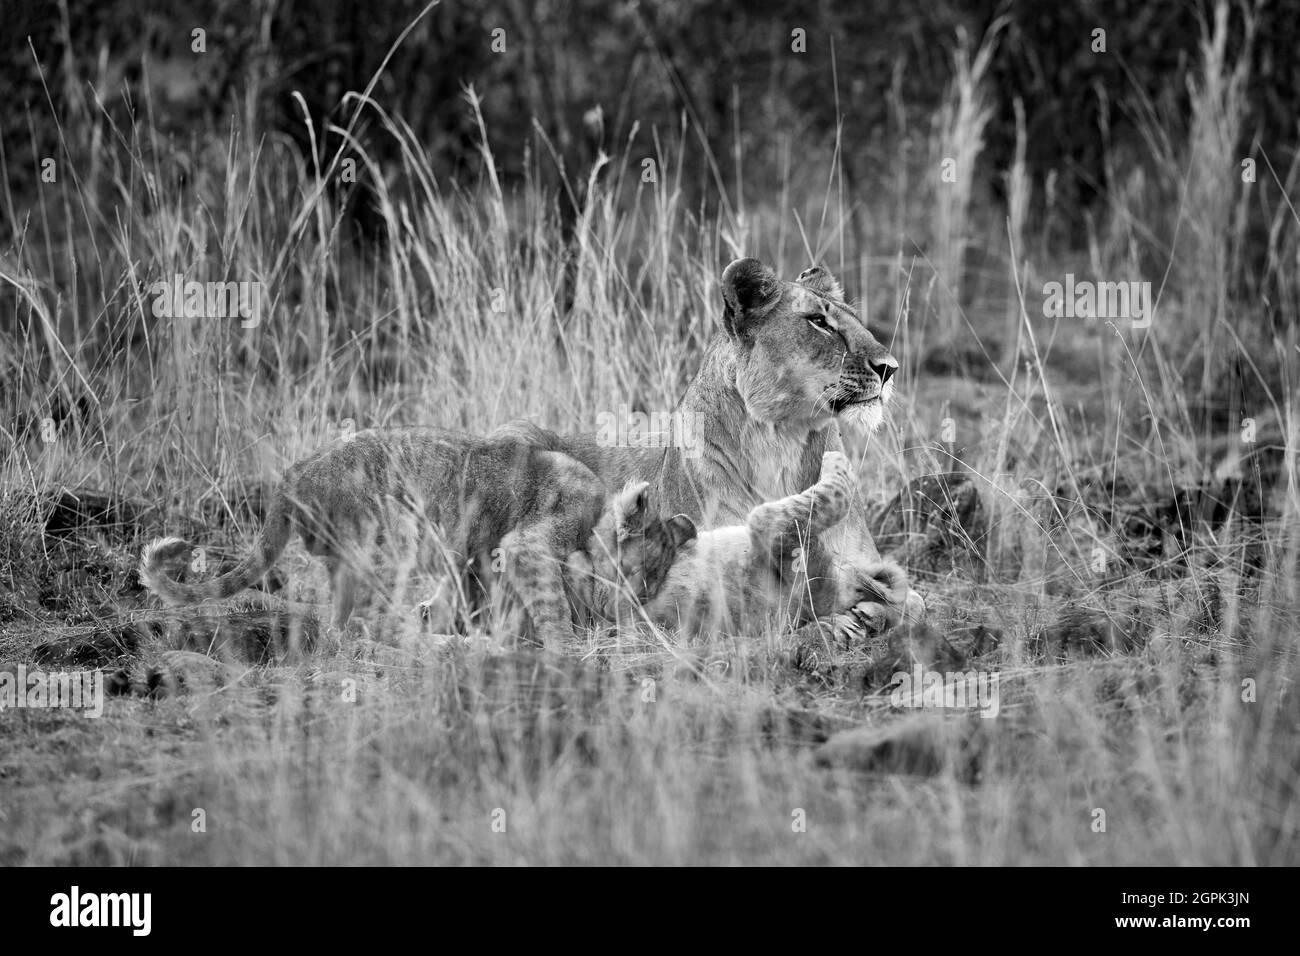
1122	733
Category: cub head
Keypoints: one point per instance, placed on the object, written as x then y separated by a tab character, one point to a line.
632	549
803	356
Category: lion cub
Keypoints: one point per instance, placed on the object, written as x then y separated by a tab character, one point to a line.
388	500
740	577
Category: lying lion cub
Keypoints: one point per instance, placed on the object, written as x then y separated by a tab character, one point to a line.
388	499
739	578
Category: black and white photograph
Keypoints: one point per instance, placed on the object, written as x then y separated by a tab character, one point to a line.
650	433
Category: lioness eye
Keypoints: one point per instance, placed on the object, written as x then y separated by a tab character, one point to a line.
818	321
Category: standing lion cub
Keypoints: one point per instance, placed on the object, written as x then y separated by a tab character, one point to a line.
387	500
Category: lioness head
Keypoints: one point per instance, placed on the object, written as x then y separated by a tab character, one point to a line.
803	356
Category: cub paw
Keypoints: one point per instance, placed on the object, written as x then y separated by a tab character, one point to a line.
880	594
851	627
865	619
438	613
835	466
875	618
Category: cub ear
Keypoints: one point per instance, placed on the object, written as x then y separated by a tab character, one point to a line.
747	286
631	509
819	280
681	530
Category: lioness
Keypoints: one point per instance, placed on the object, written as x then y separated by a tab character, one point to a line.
740	578
790	362
433	499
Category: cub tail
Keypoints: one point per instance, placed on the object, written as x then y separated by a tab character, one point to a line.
162	553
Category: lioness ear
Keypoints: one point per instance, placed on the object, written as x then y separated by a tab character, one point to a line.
747	285
630	509
681	530
819	280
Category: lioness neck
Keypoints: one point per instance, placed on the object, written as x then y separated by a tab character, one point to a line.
722	460
735	460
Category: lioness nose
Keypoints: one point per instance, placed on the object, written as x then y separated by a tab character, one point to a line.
885	368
